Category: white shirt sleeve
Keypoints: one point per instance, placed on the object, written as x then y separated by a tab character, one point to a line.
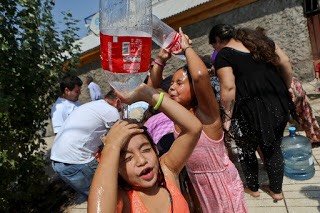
95	91
61	109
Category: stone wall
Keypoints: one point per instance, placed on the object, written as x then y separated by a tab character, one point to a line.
284	22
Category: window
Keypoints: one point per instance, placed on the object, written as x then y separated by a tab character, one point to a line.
311	7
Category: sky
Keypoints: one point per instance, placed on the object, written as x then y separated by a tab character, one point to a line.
80	9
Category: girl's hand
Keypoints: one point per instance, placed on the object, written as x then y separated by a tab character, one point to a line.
163	56
132	97
120	133
185	42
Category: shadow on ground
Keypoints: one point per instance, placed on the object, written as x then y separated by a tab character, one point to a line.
313	96
312	192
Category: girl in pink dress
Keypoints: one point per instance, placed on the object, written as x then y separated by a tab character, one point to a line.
214	177
131	177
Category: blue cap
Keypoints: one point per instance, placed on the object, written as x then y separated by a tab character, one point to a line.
292	128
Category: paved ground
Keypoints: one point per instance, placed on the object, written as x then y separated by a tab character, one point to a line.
299	196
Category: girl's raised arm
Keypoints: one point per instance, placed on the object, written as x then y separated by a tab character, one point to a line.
208	106
103	195
156	73
190	126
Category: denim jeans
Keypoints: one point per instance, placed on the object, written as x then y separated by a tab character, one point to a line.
78	176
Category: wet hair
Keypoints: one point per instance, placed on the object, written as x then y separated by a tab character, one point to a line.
185	68
70	82
261	47
224	32
161	181
165	84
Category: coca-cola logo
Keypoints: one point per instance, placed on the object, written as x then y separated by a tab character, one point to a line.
175	43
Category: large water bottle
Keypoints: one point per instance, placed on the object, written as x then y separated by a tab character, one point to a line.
125	41
166	37
297	154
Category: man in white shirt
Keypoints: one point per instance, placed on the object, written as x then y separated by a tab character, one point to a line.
74	148
70	88
94	89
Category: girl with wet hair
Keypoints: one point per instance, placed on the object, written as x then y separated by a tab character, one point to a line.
255	75
214	177
130	176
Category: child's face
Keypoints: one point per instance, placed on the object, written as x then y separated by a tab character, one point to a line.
181	89
139	165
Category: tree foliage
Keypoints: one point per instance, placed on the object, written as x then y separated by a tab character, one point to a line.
34	54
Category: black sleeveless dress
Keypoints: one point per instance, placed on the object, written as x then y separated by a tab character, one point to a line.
262	101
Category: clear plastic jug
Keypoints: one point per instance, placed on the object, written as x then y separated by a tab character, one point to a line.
125	41
297	154
166	37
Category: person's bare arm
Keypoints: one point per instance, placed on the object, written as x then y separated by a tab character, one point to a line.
190	126
284	66
156	73
227	93
208	106
103	196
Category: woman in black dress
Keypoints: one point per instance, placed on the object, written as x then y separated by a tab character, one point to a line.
255	75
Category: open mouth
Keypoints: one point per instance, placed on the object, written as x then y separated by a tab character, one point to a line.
145	171
172	96
147	174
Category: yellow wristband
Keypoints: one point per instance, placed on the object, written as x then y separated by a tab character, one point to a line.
161	95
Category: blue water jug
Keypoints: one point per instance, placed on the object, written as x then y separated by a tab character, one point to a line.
296	150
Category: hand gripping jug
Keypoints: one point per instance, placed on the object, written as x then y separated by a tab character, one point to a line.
297	154
125	42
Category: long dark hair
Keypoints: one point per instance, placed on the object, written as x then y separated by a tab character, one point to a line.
261	47
161	181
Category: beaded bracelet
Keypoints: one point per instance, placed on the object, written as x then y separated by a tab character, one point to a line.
160	64
161	95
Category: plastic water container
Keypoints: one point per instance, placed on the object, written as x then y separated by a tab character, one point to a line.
166	37
125	42
297	154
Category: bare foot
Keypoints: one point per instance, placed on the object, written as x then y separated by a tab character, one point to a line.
252	193
275	196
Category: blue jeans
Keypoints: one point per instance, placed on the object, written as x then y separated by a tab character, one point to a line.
78	176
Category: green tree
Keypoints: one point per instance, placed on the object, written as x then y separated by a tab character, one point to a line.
34	54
